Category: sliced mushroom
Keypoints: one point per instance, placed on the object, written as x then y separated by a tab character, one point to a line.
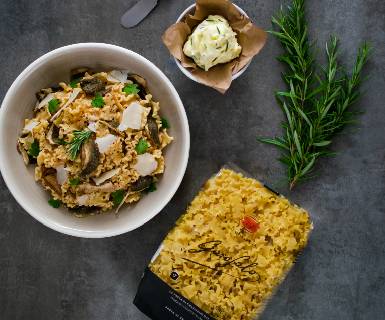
112	125
47	171
44	102
153	130
139	185
81	211
91	86
23	152
106	176
105	187
142	183
42	93
78	73
89	156
49	180
53	134
141	82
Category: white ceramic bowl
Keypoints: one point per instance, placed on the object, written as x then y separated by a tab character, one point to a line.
18	104
187	73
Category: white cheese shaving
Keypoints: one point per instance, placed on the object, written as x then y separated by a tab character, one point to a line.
92	126
132	117
105	142
105	176
61	174
45	101
146	164
118	76
30	125
82	200
71	99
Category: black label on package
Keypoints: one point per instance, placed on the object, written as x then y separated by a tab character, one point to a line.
159	301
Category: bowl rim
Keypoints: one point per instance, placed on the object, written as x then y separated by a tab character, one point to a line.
188	73
30	208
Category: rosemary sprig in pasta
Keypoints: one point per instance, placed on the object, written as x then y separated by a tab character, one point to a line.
79	138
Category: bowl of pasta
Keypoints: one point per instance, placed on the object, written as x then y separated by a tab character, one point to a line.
102	140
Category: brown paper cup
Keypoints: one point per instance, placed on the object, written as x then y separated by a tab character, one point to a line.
251	38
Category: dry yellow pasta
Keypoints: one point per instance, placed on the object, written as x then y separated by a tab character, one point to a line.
232	247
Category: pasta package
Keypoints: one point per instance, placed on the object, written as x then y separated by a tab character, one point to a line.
226	254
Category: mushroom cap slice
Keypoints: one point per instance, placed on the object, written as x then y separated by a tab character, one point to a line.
89	156
53	134
23	152
92	85
81	211
141	82
50	182
78	73
153	130
105	187
141	184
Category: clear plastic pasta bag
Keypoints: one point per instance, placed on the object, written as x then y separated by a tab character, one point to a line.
226	254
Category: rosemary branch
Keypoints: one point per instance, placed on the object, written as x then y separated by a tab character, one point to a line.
317	101
79	138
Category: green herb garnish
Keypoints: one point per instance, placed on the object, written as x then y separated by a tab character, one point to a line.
53	105
34	149
227	45
74	182
61	142
98	101
317	103
74	82
79	138
131	88
165	124
54	203
152	187
141	146
117	197
219	31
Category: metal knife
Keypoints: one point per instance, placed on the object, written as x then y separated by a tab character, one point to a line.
137	13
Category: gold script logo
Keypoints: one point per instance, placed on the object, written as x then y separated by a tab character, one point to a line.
244	265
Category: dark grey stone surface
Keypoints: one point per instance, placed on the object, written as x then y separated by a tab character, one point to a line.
340	276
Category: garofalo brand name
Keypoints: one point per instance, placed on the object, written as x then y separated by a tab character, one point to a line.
244	265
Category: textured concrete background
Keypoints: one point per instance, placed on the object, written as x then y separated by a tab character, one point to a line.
341	275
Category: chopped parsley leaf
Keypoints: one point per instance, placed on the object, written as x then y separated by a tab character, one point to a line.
54	203
74	82
152	187
34	149
131	88
98	101
142	146
117	197
165	124
53	105
74	182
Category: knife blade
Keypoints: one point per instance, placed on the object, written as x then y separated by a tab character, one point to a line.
137	13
